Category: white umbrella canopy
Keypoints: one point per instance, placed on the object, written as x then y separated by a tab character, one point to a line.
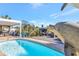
9	22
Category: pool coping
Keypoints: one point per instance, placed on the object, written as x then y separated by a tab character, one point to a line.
43	45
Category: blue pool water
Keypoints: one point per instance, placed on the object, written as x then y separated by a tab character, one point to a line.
27	48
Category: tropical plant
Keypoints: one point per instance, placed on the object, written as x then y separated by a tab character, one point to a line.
31	29
35	32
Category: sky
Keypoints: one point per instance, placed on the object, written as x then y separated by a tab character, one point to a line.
40	13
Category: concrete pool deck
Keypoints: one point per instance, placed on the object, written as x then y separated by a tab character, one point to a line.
50	42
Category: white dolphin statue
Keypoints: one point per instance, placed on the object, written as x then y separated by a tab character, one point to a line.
74	4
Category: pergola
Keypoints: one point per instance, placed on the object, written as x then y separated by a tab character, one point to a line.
11	22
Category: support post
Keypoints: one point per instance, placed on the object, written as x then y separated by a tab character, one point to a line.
20	29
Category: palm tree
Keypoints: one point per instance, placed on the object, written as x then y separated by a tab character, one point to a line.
6	17
42	26
35	31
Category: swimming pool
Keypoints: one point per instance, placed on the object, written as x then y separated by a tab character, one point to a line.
27	48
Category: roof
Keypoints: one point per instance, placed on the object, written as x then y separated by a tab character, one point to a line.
9	22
